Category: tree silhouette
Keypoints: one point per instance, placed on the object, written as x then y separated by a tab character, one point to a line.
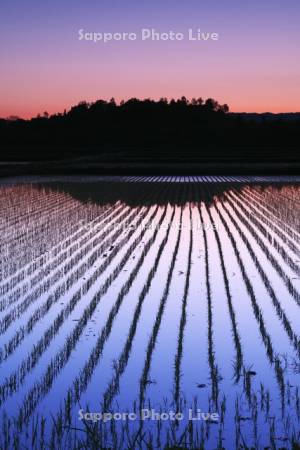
148	130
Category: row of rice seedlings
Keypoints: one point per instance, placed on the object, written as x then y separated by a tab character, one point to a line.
83	241
18	310
238	364
132	227
285	191
274	360
37	224
92	241
292	290
273	204
122	360
274	213
39	244
287	234
13	382
15	196
290	194
56	255
214	370
54	231
248	430
182	324
32	202
247	383
71	214
81	381
12	199
269	219
183	179
156	327
42	387
76	275
286	212
292	191
60	263
254	217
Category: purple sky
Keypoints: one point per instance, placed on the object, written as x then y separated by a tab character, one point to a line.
254	66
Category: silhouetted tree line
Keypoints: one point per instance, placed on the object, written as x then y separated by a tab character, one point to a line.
169	127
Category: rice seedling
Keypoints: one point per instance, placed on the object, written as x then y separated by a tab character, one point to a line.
107	285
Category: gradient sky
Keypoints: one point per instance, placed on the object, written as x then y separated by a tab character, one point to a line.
255	65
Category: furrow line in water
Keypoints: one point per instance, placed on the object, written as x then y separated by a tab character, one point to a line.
58	236
67	248
182	324
214	371
81	382
42	387
20	334
80	241
274	360
37	225
290	201
153	338
122	360
292	290
256	220
288	214
19	309
234	327
12	207
294	339
270	220
274	213
40	245
37	209
13	382
75	232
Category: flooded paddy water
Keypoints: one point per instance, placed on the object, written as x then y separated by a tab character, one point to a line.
150	312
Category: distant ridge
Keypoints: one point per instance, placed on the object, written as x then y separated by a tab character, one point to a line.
259	117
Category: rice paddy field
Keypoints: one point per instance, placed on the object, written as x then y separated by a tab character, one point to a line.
150	313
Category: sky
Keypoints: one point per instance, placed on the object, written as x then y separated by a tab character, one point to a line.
254	66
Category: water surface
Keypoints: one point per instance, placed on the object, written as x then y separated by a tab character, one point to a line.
120	294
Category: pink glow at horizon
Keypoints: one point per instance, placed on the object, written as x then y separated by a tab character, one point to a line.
243	93
254	67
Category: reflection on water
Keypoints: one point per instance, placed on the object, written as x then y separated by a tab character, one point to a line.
179	296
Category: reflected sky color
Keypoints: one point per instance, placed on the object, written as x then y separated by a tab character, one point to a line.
100	308
253	67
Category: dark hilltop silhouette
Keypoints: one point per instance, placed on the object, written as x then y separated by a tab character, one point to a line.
147	136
